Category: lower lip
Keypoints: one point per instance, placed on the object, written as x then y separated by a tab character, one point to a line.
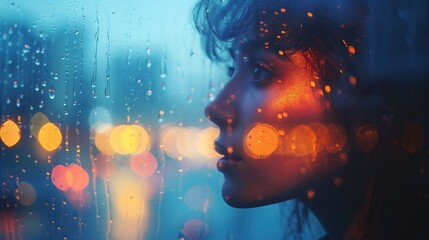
226	164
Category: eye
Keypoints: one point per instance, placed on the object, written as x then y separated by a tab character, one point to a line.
261	73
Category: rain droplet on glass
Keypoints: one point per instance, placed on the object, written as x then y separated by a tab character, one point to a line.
51	92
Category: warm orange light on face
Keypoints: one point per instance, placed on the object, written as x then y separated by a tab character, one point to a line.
144	164
299	141
322	135
38	120
50	137
80	178
366	137
10	133
61	177
261	141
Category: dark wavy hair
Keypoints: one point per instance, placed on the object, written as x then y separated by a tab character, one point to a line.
333	33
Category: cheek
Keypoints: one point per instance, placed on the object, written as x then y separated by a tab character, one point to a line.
275	179
296	98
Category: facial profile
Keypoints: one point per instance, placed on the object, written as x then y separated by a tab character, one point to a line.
273	127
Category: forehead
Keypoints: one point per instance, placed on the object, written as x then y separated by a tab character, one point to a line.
255	45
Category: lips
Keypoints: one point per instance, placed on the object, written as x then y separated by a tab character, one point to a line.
227	163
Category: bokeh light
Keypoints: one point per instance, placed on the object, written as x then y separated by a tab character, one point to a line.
199	198
366	137
80	177
104	166
337	138
102	139
322	135
261	140
300	141
50	137
129	139
205	143
169	137
61	177
187	143
10	133
25	193
129	205
195	229
38	120
144	164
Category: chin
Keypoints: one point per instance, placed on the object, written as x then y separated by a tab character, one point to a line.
242	197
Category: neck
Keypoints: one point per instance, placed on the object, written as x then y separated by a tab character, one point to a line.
341	209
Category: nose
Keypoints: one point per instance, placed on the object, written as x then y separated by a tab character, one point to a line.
223	111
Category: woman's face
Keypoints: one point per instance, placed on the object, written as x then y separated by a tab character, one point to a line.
274	131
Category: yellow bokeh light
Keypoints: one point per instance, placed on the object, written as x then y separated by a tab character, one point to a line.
10	133
187	143
50	137
135	139
129	139
261	141
129	206
205	143
168	141
38	120
115	139
102	139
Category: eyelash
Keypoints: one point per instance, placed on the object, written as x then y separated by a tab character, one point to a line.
261	72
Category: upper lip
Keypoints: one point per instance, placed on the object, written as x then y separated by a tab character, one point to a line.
221	149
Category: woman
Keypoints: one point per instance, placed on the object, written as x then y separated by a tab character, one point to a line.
304	118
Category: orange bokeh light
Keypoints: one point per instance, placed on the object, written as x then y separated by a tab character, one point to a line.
366	137
300	141
261	141
10	133
337	138
50	137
